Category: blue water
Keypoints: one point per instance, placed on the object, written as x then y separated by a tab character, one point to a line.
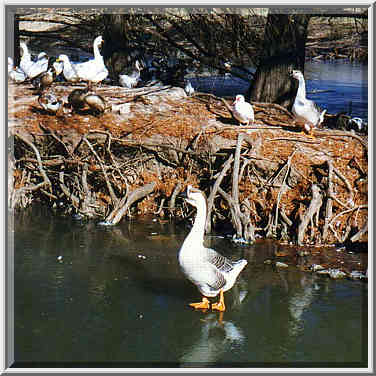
345	86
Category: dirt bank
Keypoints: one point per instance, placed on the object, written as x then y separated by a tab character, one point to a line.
267	180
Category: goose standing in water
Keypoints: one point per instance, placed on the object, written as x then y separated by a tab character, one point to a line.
243	111
94	70
304	109
131	80
211	272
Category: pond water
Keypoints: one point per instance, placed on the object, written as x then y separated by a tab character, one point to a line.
87	296
337	86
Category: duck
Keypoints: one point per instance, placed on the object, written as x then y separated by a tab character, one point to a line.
356	123
50	103
243	111
306	110
76	98
45	79
69	71
189	89
211	272
94	70
132	79
79	98
96	103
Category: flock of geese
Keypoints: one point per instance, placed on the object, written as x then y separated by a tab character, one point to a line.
44	70
212	273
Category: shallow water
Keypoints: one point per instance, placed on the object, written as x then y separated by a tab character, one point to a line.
343	86
90	296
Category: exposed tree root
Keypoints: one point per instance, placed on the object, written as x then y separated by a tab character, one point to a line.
264	180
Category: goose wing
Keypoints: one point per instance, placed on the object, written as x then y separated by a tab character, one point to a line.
221	263
90	69
314	107
219	267
86	68
318	111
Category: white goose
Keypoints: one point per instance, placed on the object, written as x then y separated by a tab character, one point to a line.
69	72
25	61
131	80
211	272
243	111
94	70
33	69
304	109
58	67
17	75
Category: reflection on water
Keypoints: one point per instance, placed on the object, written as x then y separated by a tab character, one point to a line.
216	337
300	301
116	297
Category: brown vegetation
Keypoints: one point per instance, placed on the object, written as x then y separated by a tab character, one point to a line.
267	179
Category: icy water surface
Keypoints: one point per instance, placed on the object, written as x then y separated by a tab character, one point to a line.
88	296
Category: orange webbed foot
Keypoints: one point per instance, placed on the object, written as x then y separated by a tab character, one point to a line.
220	306
204	304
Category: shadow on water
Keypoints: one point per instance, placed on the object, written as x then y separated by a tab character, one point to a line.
87	295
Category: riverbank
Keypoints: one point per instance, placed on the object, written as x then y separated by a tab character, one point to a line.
137	157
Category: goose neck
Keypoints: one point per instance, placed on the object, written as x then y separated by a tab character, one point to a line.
97	54
25	52
301	89
198	228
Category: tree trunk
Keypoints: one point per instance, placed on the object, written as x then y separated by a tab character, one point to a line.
284	49
116	51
